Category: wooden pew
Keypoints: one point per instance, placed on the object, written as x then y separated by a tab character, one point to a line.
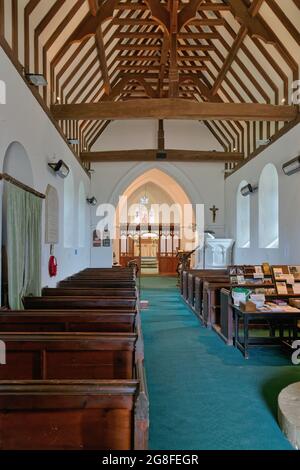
117	270
98	283
67	414
63	320
188	279
193	286
47	356
211	300
104	274
75	415
112	268
71	303
89	292
114	413
201	274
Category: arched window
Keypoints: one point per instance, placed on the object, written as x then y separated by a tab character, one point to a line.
69	211
242	218
268	208
81	215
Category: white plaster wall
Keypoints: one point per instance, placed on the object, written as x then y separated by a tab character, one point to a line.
142	134
283	150
23	120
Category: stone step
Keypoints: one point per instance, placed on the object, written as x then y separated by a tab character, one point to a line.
289	413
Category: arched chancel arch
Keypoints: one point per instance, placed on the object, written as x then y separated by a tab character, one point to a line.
161	179
183	181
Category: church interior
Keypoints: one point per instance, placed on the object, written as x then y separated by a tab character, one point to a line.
150	256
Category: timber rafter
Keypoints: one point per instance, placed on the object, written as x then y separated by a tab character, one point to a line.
230	51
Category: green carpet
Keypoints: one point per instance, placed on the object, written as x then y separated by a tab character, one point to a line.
203	394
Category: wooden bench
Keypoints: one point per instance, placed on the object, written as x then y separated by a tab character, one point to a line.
100	283
71	412
106	274
89	292
75	415
212	301
201	274
64	320
188	279
47	356
71	303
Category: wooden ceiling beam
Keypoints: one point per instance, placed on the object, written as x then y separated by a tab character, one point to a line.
137	35
203	89
193	47
103	60
137	58
188	13
161	135
159	13
255	7
163	62
150	22
230	59
200	35
134	22
207	22
91	23
174	108
172	156
126	80
173	69
207	6
137	47
249	25
93	7
247	17
150	67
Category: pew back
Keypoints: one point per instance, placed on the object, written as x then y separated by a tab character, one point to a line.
64	320
67	415
71	303
98	283
89	292
42	356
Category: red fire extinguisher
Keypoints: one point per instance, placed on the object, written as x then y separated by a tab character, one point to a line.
52	264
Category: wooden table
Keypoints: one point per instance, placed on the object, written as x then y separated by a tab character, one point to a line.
282	318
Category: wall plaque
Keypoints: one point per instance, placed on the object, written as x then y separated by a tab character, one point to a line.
52	216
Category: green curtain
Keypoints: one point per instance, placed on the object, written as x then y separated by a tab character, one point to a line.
16	244
32	284
24	216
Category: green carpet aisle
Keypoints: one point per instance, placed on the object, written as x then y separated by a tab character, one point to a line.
203	394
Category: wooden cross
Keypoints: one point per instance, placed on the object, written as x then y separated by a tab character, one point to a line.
214	211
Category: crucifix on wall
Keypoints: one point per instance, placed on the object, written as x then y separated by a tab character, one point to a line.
214	211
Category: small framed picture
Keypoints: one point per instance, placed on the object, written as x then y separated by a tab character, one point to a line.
106	243
97	241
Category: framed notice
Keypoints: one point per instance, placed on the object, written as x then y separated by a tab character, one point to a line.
97	240
107	243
